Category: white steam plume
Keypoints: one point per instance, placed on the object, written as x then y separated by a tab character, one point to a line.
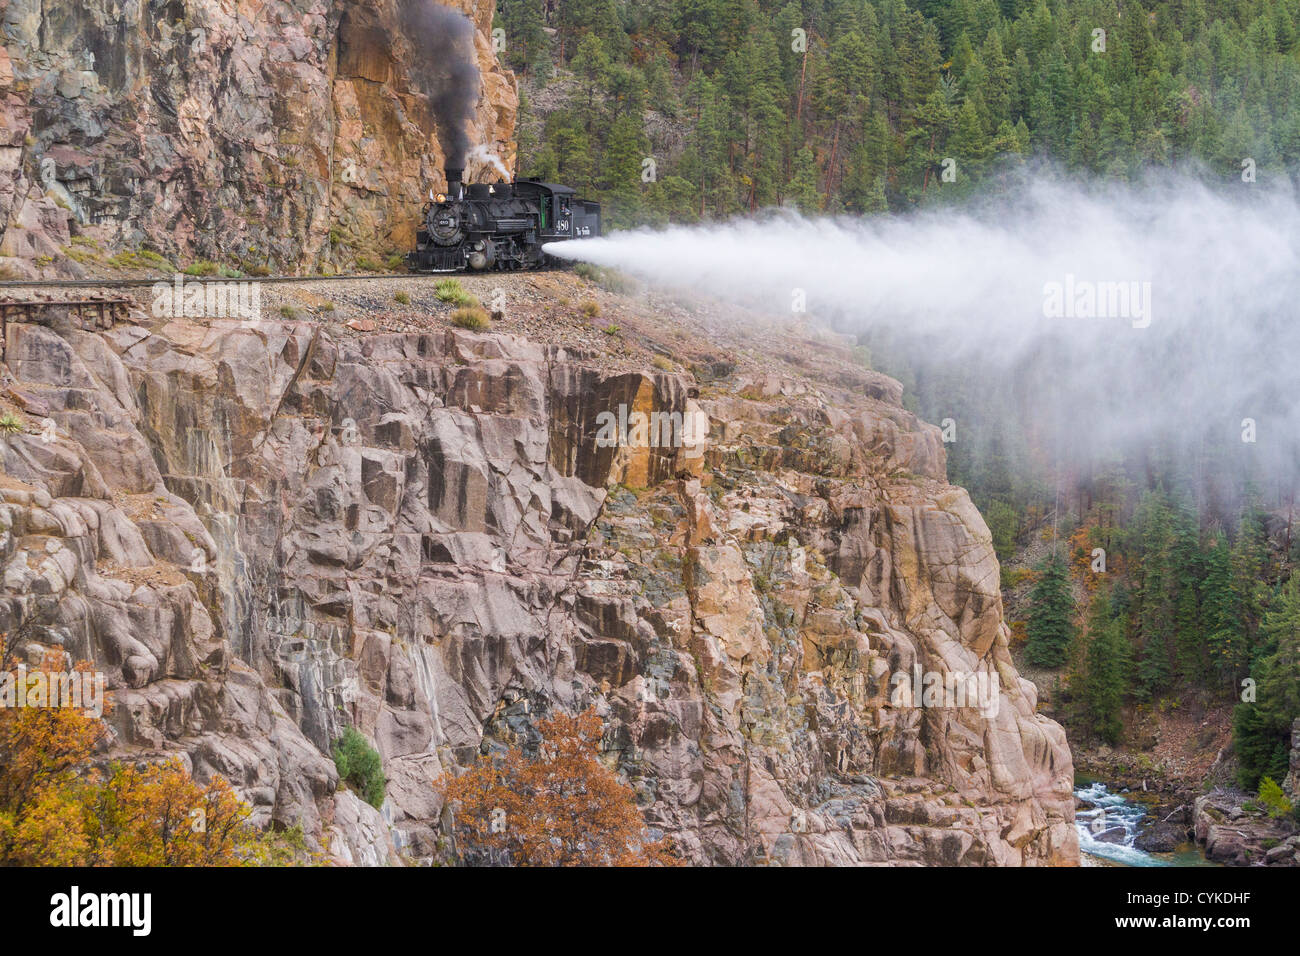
1003	284
485	156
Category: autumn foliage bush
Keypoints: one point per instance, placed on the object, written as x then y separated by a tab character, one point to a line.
59	809
559	807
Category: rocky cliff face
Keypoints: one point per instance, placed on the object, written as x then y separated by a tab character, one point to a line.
269	532
269	134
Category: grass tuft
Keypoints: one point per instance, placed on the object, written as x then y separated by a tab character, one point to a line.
471	317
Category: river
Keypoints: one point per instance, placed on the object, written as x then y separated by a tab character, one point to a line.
1104	812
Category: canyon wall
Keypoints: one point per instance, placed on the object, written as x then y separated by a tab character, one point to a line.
265	533
264	134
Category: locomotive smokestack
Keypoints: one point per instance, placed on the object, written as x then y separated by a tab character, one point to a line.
454	177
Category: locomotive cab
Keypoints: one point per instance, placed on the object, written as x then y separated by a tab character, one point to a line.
563	215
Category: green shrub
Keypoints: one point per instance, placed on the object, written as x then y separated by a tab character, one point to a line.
607	279
10	423
288	312
202	268
396	263
85	256
360	766
157	261
448	290
401	298
471	317
1273	799
140	259
589	307
366	264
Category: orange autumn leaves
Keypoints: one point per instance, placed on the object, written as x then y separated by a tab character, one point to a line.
61	804
151	816
56	810
560	808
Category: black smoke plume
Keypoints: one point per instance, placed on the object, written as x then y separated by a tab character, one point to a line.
444	70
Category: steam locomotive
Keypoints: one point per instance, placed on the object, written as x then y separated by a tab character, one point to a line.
502	226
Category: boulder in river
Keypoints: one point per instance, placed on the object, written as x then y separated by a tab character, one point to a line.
1161	838
1111	835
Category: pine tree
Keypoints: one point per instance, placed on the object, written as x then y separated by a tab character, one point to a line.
1188	570
1249	560
1225	634
1109	668
1154	594
1262	728
1050	627
803	188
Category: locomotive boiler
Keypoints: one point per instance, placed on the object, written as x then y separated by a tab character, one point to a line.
482	226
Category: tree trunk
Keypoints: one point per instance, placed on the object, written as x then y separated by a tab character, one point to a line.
803	71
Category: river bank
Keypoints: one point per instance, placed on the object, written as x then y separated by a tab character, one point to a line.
1120	826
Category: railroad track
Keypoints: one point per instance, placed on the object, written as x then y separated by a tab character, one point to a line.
270	280
145	283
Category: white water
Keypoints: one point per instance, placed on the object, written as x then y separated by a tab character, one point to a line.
1104	810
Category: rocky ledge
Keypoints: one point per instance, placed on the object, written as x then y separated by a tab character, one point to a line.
1235	830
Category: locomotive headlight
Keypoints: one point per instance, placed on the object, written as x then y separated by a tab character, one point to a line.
442	197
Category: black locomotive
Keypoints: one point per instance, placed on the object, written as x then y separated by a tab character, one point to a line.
502	226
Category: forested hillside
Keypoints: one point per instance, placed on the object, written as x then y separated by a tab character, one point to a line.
682	110
854	105
1151	605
